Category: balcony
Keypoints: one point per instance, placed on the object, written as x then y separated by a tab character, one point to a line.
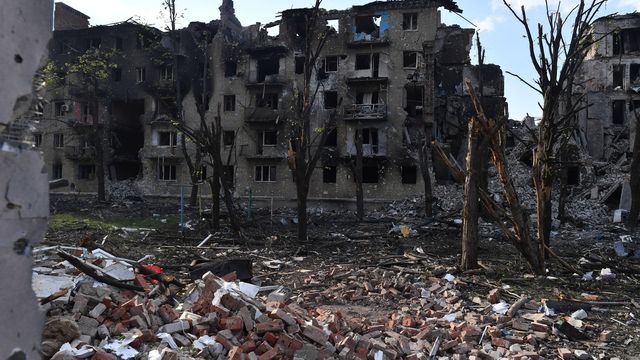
79	153
365	112
262	115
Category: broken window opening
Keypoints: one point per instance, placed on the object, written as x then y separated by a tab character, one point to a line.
330	64
267	68
410	59
330	99
87	113
618	110
117	74
167	139
370	174
334	24
410	21
167	172
142	41
634	106
414	101
409	174
228	138
227	175
617	44
332	138
56	171
630	41
94	43
369	141
618	76
329	174
367	98
265	173
118	43
363	61
230	68
229	103
202	174
61	108
37	140
128	130
269	100
367	27
634	74
86	171
573	175
269	138
141	74
58	140
300	60
166	73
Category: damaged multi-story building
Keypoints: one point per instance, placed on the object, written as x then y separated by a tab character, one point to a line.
609	85
387	67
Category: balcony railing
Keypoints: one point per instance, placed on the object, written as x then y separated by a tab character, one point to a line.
365	112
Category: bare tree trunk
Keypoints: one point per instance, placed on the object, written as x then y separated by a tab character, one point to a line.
471	205
358	174
423	159
100	173
302	194
632	221
543	182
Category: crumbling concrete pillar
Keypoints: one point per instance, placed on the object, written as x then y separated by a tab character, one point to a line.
25	29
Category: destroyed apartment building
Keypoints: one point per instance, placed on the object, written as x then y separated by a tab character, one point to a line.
391	68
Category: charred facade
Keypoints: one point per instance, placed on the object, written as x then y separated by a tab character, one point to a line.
389	68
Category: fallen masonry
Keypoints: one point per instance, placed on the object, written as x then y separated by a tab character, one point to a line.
220	317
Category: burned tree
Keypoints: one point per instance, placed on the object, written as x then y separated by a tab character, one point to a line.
556	54
307	143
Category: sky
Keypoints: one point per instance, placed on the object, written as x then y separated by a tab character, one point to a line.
501	35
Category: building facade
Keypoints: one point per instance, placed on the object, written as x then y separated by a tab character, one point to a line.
389	69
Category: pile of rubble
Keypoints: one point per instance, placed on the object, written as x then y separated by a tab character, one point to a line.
146	313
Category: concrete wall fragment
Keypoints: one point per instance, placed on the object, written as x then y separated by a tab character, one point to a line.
24	32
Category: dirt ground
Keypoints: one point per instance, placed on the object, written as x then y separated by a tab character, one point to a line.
337	241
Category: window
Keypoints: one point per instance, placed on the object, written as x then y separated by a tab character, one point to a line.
141	74
634	74
118	43
37	140
142	42
38	110
409	174
410	21
618	76
573	175
268	100
56	171
117	74
167	138
618	112
329	174
617	44
166	73
87	114
300	64
330	64
86	172
410	59
166	172
369	141
202	174
269	138
367	98
228	137
229	103
268	67
370	174
61	108
94	43
58	140
265	173
363	61
230	68
330	99
332	138
227	175
367	27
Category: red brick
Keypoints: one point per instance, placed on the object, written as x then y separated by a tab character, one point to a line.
539	327
224	342
118	313
142	282
282	315
449	344
168	313
271	326
101	355
270	338
232	276
233	323
316	334
269	354
248	346
263	348
408	321
235	353
500	342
